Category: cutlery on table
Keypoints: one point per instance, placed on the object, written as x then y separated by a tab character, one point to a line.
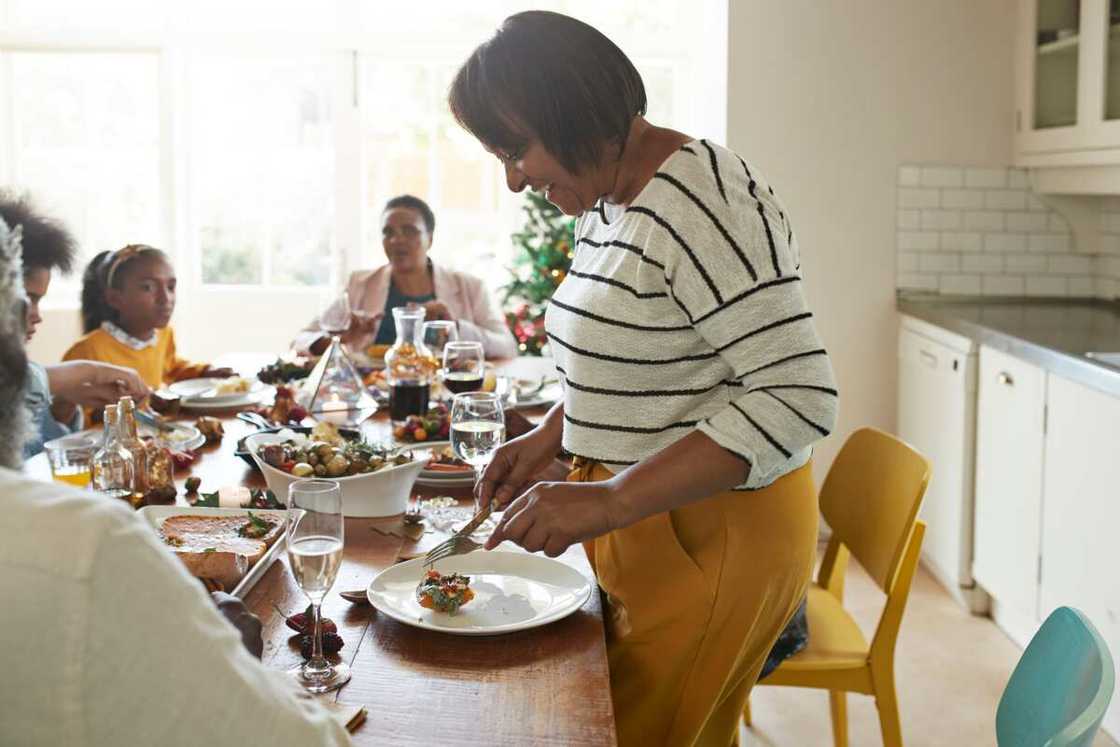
460	543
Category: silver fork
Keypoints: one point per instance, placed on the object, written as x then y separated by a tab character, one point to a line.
459	543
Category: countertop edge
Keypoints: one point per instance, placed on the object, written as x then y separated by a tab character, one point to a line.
1074	367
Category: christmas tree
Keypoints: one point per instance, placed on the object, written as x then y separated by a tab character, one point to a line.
543	256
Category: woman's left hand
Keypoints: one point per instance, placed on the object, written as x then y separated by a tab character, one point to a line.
552	516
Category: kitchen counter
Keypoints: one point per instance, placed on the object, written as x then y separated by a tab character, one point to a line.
1054	334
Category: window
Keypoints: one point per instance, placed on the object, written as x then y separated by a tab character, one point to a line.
257	141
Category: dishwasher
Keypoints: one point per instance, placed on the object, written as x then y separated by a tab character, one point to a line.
937	384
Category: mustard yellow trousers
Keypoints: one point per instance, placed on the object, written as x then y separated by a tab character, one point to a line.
696	598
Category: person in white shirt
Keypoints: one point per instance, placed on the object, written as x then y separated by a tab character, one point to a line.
106	638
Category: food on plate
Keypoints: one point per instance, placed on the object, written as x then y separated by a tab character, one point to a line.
328	433
435	426
222	548
210	428
444	593
378	351
444	460
284	408
233	385
376	380
305	457
281	372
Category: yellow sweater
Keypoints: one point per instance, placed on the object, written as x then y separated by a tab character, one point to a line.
157	364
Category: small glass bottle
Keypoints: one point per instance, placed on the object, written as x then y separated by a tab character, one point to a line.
130	439
409	366
112	465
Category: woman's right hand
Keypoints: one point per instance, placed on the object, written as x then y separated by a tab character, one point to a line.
516	464
362	326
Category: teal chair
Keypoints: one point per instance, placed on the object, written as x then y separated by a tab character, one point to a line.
1060	688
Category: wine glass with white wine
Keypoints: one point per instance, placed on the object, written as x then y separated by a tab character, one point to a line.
315	542
478	427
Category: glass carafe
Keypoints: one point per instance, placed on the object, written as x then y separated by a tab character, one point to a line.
409	366
113	467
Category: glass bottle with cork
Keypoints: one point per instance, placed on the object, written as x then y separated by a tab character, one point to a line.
409	366
112	465
130	439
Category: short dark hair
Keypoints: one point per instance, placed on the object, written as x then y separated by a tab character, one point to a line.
552	77
415	203
47	245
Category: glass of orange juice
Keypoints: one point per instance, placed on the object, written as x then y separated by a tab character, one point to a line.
70	459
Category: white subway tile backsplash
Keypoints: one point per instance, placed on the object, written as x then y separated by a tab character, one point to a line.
969	199
909	219
1005	242
982	231
984	220
1005	199
909	176
1042	285
960	285
1002	285
961	241
917	197
1082	287
1026	222
918	281
940	262
1050	243
1070	264
982	263
941	220
985	178
1025	264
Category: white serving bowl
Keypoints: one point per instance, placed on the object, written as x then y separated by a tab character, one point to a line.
381	493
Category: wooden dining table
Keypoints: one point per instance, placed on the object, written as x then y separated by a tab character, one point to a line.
543	686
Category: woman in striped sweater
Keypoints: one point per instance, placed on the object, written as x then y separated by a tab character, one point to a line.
695	381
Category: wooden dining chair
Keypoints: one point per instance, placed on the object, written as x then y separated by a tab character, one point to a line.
1061	687
870	499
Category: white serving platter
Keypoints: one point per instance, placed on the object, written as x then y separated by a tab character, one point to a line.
514	590
155	516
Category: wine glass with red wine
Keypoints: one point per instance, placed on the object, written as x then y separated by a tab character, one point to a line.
463	366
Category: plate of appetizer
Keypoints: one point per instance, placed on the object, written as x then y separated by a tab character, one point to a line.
228	549
480	593
444	469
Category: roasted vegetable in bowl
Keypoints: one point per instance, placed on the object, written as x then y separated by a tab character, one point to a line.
306	458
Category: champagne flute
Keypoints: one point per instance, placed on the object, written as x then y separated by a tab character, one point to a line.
315	541
478	426
463	367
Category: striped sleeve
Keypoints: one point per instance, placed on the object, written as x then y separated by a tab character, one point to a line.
741	288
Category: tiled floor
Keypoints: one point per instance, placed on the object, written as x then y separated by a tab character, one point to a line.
951	668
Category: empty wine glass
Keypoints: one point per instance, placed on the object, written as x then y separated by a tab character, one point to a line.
437	334
478	427
464	367
315	542
336	319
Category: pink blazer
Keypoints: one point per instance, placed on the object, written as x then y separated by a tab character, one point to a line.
464	295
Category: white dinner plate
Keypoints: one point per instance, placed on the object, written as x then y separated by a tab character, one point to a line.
514	590
455	481
189	390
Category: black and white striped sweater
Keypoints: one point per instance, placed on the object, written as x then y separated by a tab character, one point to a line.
685	311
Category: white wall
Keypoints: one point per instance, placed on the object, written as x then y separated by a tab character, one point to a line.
827	98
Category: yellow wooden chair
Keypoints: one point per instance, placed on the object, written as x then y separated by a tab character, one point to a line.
870	498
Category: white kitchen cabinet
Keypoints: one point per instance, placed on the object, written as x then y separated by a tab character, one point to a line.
1081	511
1068	83
1009	457
937	416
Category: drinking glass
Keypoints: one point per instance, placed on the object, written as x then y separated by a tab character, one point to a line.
315	541
477	428
436	334
463	367
71	459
